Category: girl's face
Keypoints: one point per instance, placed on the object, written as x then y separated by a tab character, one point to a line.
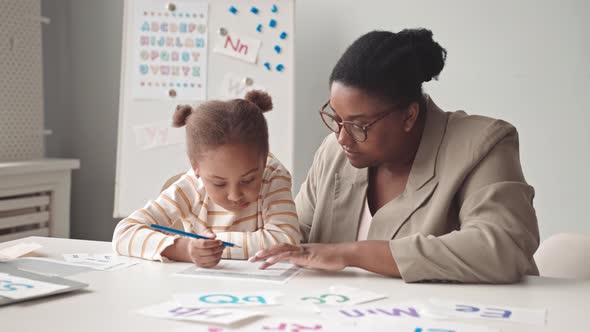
232	175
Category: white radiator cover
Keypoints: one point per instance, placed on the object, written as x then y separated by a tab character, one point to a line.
35	198
25	215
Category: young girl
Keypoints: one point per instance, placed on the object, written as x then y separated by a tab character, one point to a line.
236	190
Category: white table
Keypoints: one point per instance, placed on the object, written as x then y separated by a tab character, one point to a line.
112	297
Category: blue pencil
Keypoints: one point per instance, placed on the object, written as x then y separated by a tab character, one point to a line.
196	236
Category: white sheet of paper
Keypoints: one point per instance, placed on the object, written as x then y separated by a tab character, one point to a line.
234	269
287	324
18	250
385	311
439	308
102	262
422	325
155	135
338	296
234	86
18	288
237	46
106	257
227	299
171	310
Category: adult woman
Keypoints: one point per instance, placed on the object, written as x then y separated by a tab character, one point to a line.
405	189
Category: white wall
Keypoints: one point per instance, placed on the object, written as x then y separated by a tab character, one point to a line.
82	52
522	61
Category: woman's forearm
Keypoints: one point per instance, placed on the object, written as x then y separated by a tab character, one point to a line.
374	256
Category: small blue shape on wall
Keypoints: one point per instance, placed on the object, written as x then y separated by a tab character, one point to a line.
233	10
280	67
277	49
272	23
267	65
254	10
283	35
259	28
274	9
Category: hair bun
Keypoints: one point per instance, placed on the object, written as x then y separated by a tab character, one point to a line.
180	115
429	53
260	99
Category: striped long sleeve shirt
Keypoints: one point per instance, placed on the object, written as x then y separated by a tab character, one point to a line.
272	220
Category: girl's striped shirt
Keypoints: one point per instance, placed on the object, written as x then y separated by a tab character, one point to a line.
185	204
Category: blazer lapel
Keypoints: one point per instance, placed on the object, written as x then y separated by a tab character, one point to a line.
390	218
422	181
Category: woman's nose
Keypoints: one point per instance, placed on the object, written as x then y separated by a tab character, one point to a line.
344	138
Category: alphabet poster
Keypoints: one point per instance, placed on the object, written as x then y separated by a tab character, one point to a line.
169	47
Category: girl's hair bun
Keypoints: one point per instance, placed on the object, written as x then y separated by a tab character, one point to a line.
260	99
180	115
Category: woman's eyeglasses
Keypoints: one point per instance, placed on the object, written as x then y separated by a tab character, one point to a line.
358	132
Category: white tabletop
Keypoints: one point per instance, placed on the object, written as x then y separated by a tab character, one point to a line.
110	302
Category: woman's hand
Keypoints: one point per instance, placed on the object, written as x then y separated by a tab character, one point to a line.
315	255
374	256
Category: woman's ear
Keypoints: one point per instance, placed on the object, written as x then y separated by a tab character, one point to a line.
196	170
411	116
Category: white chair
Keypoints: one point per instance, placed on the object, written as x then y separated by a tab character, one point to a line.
170	181
564	255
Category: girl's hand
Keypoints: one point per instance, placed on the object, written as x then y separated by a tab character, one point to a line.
314	255
205	253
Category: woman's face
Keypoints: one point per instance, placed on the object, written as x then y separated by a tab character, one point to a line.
386	139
